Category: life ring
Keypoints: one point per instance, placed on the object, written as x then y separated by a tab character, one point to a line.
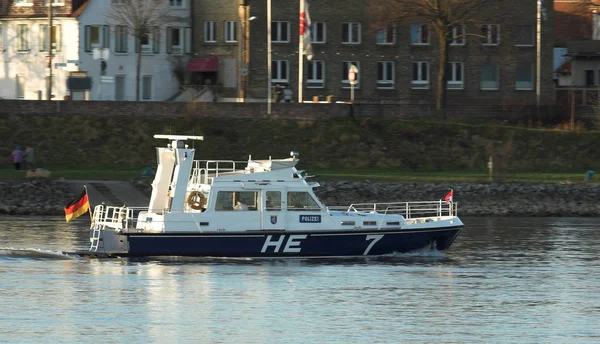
196	200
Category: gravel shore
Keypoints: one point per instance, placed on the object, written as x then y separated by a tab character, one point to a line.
48	197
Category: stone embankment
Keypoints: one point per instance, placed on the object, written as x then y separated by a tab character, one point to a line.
48	197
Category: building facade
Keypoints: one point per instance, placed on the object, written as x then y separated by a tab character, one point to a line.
164	53
496	62
577	43
83	36
25	51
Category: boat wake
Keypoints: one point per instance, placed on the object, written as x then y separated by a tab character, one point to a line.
31	253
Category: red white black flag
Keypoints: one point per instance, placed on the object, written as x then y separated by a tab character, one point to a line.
305	31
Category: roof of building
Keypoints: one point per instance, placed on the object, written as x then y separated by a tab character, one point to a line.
571	22
79	11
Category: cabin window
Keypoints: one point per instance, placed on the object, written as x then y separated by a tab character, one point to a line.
301	201
273	201
236	200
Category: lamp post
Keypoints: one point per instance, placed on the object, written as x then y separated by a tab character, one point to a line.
269	95
243	55
49	61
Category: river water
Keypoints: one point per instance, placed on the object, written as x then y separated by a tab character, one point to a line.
505	280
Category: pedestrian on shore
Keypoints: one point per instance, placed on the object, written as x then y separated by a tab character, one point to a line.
287	94
277	93
17	156
29	158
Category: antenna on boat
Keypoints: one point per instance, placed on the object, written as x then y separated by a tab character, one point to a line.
294	155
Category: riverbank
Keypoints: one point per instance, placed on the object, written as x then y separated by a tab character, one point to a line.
48	197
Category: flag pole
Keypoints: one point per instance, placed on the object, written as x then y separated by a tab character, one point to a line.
301	51
90	204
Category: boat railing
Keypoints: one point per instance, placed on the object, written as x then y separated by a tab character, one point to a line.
115	217
408	209
204	171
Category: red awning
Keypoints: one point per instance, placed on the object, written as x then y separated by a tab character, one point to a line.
203	64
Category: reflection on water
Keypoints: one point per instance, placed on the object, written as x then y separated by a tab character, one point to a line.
526	280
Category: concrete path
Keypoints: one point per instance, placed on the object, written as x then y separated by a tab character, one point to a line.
115	193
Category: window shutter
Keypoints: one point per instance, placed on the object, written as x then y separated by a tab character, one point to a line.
136	43
88	46
156	39
58	37
106	36
169	40
41	35
187	40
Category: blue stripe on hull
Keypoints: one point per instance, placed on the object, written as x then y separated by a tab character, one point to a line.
279	244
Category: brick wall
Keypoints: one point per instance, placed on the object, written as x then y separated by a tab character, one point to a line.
321	111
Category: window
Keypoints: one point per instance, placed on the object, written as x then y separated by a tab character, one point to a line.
345	69
455	73
489	76
280	32
386	35
150	42
120	87
524	76
177	3
97	36
209	32
280	72
146	43
351	33
318	33
273	201
524	35
385	74
24	2
596	27
55	2
316	74
176	40
228	200
120	39
20	86
147	87
419	34
22	38
230	31
301	201
458	35
590	78
420	75
491	34
56	37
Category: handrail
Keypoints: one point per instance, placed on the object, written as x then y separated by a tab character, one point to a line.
204	170
407	209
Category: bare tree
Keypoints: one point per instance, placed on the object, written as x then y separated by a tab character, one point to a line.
141	18
447	19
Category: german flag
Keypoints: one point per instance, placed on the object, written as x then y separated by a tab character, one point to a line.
77	207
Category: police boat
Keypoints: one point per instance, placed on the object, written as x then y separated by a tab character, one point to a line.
258	209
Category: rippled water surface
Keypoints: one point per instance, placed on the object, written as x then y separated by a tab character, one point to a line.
526	280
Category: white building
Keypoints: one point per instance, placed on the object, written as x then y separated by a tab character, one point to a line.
81	31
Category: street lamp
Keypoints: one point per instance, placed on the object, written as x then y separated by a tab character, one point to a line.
243	56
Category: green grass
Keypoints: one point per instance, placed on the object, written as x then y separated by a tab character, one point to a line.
399	176
464	176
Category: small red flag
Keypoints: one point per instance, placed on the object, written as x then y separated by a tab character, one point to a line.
449	196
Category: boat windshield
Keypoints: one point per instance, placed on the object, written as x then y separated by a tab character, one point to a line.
301	201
